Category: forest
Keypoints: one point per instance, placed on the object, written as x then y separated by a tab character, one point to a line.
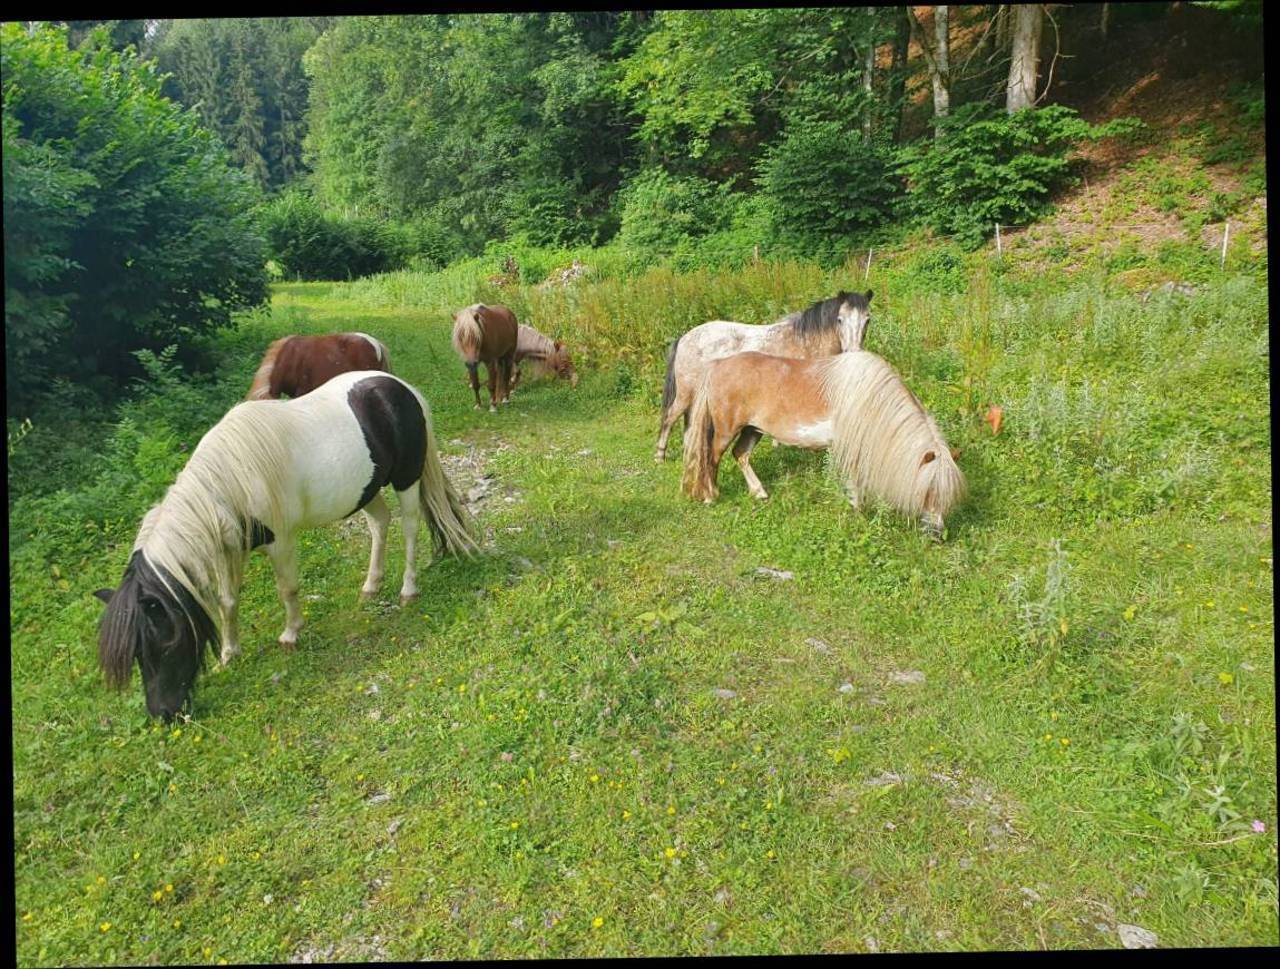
636	724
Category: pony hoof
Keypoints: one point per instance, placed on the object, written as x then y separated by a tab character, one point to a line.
289	645
477	407
659	457
405	600
492	409
366	595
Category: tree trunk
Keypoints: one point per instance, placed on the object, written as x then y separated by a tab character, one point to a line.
1106	19
898	71
868	76
942	53
1024	60
938	60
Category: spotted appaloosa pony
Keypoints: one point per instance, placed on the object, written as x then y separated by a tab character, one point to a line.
267	470
487	334
296	365
544	355
828	326
882	440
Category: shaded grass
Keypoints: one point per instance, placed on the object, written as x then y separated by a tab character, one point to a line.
589	644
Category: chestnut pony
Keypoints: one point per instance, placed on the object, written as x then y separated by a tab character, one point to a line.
296	365
545	356
488	335
883	442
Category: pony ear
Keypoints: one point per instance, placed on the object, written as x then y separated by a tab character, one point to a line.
868	296
559	345
105	594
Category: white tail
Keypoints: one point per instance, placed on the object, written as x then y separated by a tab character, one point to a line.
447	519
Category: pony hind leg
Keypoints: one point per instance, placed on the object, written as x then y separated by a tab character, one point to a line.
507	364
747	440
410	516
284	561
679	407
378	516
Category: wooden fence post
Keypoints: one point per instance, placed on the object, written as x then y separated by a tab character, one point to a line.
1226	234
867	271
999	247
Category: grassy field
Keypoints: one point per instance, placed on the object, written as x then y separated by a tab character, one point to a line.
614	734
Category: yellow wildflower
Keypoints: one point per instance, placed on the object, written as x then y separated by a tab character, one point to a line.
597	922
104	927
671	852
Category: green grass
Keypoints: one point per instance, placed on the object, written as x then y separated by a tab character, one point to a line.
1092	739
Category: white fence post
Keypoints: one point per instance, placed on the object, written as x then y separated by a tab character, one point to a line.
867	271
1226	234
999	247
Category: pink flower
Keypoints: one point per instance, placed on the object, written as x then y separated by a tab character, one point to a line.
1259	827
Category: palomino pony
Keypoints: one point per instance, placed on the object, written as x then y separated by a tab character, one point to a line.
267	470
545	355
487	334
882	440
828	326
296	365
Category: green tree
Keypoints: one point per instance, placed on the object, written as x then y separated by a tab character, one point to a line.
244	77
125	226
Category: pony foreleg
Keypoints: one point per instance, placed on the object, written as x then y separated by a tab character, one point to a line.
491	368
284	560
747	440
378	517
230	629
473	376
410	515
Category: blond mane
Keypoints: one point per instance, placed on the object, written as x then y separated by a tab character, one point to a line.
884	442
200	532
467	334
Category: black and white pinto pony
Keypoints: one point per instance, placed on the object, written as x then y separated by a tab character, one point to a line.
267	470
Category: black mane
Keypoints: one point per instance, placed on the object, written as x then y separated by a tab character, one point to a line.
825	314
120	637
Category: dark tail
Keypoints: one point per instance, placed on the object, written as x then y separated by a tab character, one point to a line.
669	384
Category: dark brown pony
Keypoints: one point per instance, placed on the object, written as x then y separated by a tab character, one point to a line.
487	334
296	365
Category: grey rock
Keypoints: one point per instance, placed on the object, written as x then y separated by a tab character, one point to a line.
1136	937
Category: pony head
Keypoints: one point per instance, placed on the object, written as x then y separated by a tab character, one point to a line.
854	315
560	362
153	620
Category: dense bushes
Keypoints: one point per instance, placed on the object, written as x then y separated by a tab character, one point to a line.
124	224
987	166
310	243
827	182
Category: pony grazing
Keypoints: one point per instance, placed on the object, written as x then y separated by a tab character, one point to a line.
487	334
828	326
267	470
545	356
882	440
296	365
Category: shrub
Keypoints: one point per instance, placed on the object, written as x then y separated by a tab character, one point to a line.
125	225
310	243
659	210
826	183
987	167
